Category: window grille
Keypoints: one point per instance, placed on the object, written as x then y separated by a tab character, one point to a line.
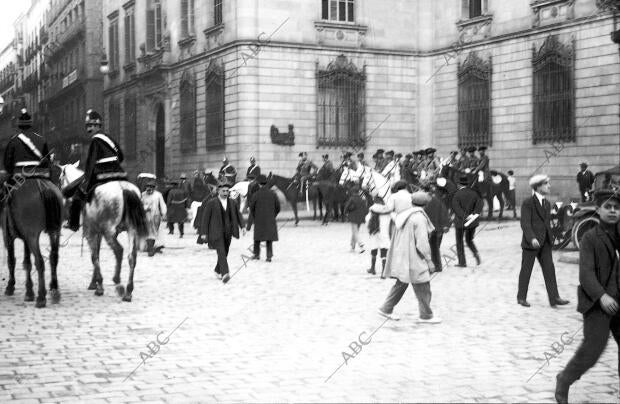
214	97
188	113
554	92
341	105
474	102
338	10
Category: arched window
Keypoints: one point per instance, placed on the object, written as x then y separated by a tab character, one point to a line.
554	92
214	101
188	113
341	119
474	102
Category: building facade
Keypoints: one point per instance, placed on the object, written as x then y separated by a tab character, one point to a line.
8	72
191	81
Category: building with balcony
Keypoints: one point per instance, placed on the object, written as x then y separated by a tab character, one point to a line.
71	79
192	81
8	72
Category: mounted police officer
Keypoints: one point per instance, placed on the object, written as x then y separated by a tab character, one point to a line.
483	165
305	169
253	170
26	154
228	173
102	165
326	170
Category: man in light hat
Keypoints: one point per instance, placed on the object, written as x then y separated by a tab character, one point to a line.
585	179
467	206
537	241
220	222
598	293
155	209
227	172
264	207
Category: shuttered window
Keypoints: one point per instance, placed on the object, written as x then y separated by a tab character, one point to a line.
130	37
341	119
188	114
554	92
113	45
130	128
153	25
217	12
214	97
338	10
187	18
474	102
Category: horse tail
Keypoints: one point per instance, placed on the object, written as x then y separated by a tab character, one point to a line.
53	209
134	214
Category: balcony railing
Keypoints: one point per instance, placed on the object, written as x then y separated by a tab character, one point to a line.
59	84
74	30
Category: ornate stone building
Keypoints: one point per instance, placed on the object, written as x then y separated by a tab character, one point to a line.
193	80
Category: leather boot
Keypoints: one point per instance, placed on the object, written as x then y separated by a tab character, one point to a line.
382	268
150	247
373	259
561	390
74	213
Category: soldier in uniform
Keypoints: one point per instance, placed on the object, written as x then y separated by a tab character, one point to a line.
483	164
389	166
228	173
253	170
186	185
463	161
26	155
326	170
178	203
102	165
305	169
380	160
472	160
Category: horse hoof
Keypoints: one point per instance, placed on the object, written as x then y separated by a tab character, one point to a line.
99	291
127	298
120	290
40	303
92	286
9	291
29	298
55	295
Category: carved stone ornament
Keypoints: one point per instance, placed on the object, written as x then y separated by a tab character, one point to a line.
552	11
341	34
553	49
283	139
474	66
475	29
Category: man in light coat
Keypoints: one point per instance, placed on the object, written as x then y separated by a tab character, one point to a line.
155	209
264	207
409	256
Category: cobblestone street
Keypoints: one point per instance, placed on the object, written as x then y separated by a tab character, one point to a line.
277	331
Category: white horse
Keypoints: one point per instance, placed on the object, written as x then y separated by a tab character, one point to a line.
240	190
376	184
114	207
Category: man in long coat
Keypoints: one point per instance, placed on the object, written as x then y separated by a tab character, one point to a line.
585	180
466	203
155	209
178	202
264	207
220	222
537	242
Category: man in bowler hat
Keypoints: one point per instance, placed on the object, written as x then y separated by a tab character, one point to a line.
220	222
537	241
264	207
467	206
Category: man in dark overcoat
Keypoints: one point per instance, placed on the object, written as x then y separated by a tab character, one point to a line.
537	241
264	207
598	292
220	222
585	180
178	202
439	215
466	203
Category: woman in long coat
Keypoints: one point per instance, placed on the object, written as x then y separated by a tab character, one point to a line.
409	257
264	207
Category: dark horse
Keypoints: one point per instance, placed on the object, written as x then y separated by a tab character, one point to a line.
33	206
496	185
291	191
333	195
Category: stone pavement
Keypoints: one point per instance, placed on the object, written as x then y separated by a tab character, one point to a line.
278	330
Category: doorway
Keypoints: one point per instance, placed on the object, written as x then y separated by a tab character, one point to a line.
160	142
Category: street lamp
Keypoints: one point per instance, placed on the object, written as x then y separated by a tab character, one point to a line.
104	68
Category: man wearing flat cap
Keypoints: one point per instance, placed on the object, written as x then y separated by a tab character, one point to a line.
537	241
585	179
598	293
220	222
483	165
264	207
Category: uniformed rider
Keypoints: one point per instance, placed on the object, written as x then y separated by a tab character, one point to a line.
103	164
305	169
228	173
483	165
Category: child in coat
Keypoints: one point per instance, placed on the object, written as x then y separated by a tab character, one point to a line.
379	231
